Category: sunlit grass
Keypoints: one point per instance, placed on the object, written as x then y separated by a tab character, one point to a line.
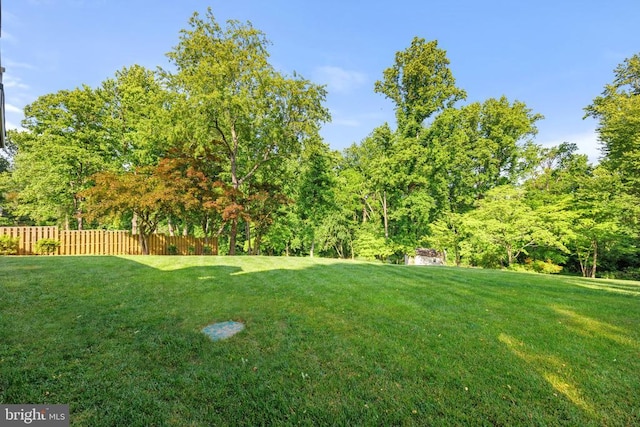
325	342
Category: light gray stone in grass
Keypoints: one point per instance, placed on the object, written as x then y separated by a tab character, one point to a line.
222	330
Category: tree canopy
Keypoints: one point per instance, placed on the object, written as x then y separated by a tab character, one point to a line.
419	83
224	146
236	104
618	112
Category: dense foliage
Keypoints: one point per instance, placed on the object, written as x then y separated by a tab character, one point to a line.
226	147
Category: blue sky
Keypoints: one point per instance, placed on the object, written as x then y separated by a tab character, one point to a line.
555	56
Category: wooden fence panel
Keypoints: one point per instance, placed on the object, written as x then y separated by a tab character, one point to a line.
105	242
184	245
28	236
98	242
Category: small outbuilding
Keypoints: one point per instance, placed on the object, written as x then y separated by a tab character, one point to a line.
425	256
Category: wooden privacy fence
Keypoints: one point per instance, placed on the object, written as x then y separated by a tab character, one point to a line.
106	242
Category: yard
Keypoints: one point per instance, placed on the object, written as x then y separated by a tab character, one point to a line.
326	342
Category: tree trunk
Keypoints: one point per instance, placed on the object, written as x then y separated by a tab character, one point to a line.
583	265
171	228
232	236
595	260
235	183
339	251
144	244
313	245
256	244
134	224
509	255
205	227
385	215
78	211
247	232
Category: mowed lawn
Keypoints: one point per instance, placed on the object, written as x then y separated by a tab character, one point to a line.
326	342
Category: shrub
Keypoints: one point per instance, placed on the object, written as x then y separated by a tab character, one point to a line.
546	267
172	250
369	245
539	266
9	245
47	246
206	250
191	250
223	248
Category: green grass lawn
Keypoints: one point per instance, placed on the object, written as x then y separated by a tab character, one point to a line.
325	343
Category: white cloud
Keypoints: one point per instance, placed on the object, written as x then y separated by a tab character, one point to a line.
14	83
338	79
346	122
9	64
16	96
339	118
13	116
7	37
12	109
587	143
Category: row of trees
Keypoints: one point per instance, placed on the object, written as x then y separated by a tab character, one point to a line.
226	147
205	144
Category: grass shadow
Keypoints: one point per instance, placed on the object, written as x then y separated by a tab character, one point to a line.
325	342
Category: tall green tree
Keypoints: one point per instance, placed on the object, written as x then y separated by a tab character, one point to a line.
136	115
551	190
64	145
447	233
389	173
372	159
560	171
236	102
618	111
316	196
335	235
6	183
503	227
476	148
420	84
605	219
470	151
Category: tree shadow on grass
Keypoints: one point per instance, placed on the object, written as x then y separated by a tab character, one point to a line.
325	342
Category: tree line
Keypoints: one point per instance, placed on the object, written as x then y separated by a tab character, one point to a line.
224	146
